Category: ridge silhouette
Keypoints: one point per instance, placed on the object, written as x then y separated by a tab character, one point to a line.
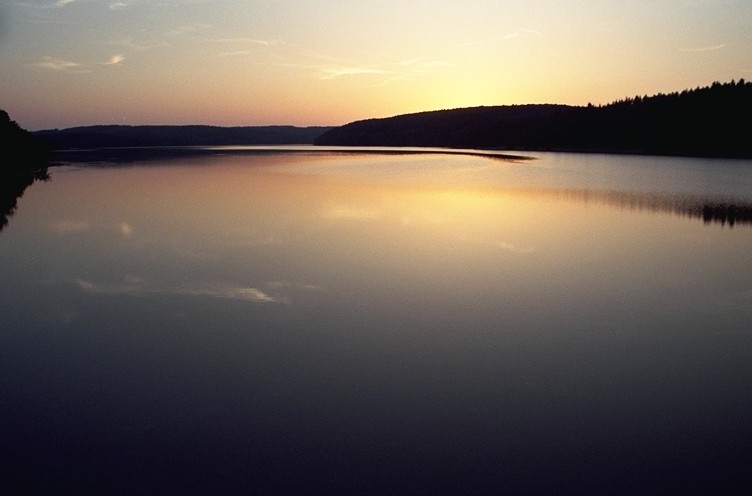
705	122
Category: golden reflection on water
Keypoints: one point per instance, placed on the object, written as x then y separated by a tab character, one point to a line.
439	188
710	210
410	306
276	199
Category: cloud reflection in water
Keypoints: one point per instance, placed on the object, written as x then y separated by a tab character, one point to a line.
136	287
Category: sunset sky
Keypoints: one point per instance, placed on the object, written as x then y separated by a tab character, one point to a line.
327	62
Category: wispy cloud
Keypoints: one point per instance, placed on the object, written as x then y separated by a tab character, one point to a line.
709	48
242	41
245	40
188	29
130	43
294	285
335	72
327	67
114	60
112	4
234	53
56	64
253	295
385	73
43	5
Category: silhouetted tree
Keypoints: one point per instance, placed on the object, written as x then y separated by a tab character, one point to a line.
24	162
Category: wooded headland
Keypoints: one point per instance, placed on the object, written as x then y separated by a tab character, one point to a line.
711	122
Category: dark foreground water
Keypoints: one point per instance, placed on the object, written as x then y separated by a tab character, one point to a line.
307	323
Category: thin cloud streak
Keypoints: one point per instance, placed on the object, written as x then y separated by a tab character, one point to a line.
187	29
235	53
710	48
131	43
114	60
294	285
335	72
56	64
64	65
242	39
326	67
394	71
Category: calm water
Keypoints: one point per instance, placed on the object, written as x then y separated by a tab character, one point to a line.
267	323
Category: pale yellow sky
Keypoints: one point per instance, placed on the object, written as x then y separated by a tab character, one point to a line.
326	62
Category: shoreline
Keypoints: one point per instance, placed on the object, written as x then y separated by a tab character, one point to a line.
115	155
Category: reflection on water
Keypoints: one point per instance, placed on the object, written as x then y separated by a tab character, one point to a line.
356	324
710	210
717	206
12	187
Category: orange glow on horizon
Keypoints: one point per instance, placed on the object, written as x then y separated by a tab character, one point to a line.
232	62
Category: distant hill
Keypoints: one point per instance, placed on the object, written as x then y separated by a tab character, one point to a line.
111	136
711	121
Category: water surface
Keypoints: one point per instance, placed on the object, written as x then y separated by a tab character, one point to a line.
380	324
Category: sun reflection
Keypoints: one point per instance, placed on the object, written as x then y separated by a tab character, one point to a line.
126	229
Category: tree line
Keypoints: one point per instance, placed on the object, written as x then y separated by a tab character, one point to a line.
705	121
24	161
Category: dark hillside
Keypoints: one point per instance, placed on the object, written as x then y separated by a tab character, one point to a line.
476	127
710	121
88	137
21	149
24	161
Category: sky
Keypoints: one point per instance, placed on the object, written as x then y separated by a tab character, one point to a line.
66	63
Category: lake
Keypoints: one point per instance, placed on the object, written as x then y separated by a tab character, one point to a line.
303	320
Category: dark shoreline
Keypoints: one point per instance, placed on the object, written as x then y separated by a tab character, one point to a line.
102	156
116	155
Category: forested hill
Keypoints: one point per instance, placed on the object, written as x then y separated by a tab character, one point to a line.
21	150
88	137
24	161
711	121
